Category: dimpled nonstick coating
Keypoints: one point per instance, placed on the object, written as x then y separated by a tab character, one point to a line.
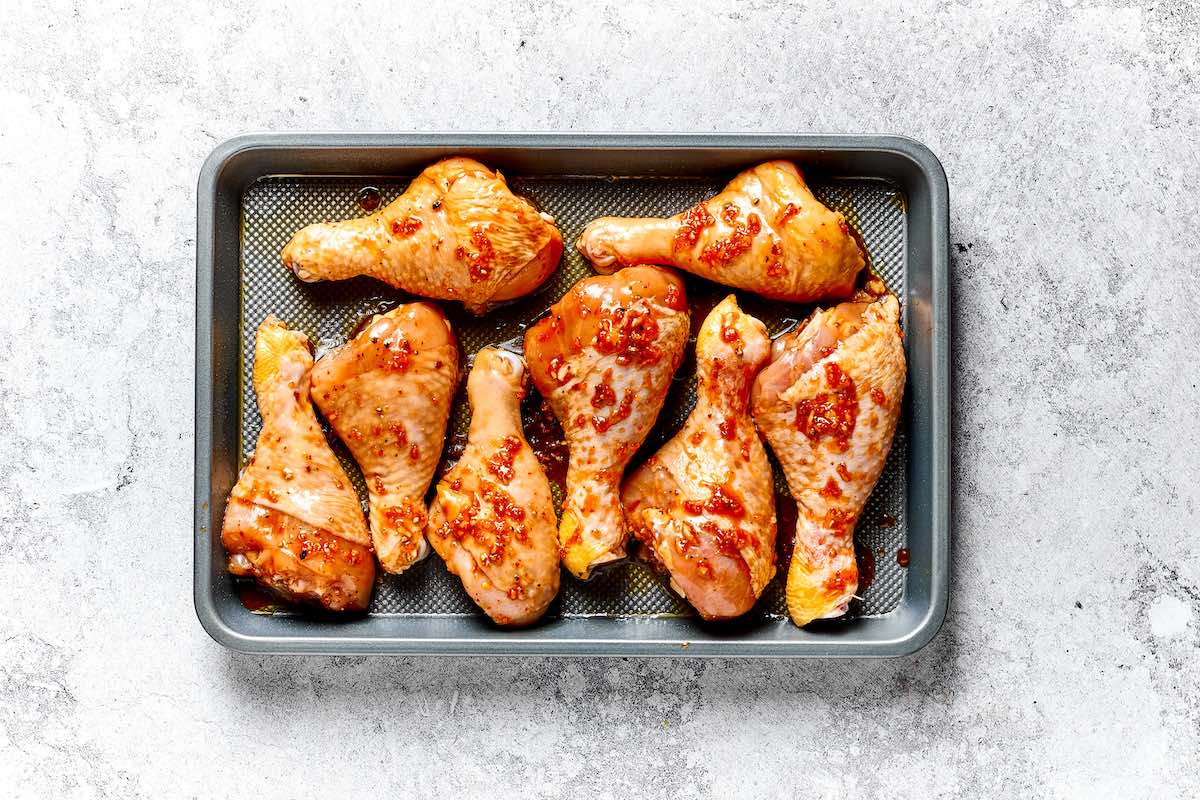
274	208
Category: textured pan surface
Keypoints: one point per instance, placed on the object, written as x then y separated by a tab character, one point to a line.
275	207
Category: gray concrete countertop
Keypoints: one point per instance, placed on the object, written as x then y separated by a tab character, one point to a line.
1069	663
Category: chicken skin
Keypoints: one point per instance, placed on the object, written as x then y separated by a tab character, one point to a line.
704	504
765	232
293	521
603	359
828	404
387	395
493	519
457	233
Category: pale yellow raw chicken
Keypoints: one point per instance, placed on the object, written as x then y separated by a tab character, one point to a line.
828	405
293	521
765	232
704	504
492	521
457	233
387	395
603	358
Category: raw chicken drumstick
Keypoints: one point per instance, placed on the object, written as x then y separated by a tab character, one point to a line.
387	394
493	519
828	405
293	521
765	232
704	504
457	233
603	359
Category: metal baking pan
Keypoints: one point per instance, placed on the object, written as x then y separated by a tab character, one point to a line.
256	190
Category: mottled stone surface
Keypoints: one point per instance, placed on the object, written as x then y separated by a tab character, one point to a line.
1069	664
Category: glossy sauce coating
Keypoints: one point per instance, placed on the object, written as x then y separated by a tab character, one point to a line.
457	233
492	520
817	404
603	358
293	522
387	394
765	232
703	505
